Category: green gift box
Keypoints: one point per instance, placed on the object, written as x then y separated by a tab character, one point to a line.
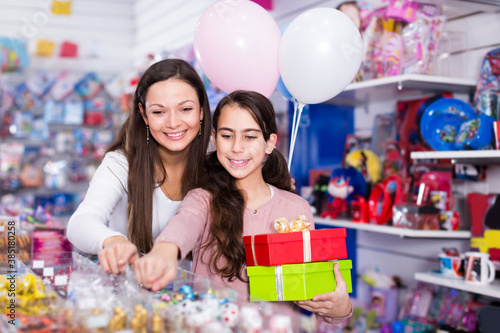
295	282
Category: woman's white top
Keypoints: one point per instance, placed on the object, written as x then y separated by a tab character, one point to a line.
103	211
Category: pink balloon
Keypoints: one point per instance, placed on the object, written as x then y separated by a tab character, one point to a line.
236	43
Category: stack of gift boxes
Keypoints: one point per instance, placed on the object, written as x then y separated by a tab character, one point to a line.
295	266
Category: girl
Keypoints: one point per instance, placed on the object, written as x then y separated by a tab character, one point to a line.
157	157
248	187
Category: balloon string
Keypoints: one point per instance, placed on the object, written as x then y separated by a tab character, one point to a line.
297	112
293	132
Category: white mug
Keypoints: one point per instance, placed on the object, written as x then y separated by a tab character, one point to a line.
477	266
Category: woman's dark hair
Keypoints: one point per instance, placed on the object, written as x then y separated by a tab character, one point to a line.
228	203
144	159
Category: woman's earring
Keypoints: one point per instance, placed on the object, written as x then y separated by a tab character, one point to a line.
147	135
199	132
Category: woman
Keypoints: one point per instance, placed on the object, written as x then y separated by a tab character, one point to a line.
156	158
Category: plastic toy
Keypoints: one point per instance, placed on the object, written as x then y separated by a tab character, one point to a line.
320	194
476	133
367	162
382	198
441	122
344	184
488	83
491	240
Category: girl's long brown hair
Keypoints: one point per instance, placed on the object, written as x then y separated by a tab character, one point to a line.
228	203
144	159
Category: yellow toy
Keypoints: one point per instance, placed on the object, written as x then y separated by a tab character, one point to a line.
366	162
491	240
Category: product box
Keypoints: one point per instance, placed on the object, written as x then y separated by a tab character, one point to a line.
295	247
295	282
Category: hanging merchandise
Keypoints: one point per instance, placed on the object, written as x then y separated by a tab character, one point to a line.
5	122
21	124
13	55
25	99
45	48
39	129
64	86
89	86
61	7
403	10
55	174
68	50
40	82
53	112
486	97
73	112
6	98
10	165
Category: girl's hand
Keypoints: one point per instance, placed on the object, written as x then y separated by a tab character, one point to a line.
116	252
157	268
335	304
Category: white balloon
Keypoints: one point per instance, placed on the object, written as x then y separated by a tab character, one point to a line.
320	54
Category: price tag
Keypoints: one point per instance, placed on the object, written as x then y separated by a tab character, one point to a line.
38	264
48	271
60	280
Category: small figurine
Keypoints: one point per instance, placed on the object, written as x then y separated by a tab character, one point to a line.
157	324
344	184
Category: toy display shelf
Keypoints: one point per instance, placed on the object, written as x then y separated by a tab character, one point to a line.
477	157
384	229
491	290
406	86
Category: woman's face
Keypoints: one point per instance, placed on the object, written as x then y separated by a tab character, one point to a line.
241	147
173	114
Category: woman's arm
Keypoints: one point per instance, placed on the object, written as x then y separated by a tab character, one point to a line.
88	227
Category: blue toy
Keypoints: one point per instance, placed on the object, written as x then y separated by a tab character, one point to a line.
345	184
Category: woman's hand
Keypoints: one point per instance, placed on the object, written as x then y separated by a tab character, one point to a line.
157	268
116	252
335	304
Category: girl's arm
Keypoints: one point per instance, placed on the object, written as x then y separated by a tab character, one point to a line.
182	234
159	267
333	307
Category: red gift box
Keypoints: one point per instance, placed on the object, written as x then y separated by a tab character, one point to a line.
295	247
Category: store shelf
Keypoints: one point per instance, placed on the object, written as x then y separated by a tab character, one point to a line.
406	233
492	290
478	157
408	86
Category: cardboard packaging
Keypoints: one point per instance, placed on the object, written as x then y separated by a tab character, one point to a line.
295	282
295	247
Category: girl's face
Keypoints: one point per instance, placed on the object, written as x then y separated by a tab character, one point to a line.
240	144
173	114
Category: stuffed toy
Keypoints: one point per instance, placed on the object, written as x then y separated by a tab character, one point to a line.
319	194
344	185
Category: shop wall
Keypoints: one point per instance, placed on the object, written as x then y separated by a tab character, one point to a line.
469	36
103	30
167	26
41	134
